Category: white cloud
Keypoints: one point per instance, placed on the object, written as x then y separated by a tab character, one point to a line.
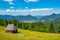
11	3
8	10
8	0
26	7
31	0
42	11
11	7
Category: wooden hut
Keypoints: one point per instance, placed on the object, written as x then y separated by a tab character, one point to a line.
11	28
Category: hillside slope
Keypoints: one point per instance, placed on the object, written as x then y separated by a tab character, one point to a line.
27	35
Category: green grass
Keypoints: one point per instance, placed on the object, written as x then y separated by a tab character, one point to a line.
28	35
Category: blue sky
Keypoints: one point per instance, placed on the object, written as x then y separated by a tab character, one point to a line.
29	7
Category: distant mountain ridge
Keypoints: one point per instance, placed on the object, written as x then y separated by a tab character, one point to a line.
31	18
50	17
20	18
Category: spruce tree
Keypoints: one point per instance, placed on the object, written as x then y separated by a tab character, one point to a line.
51	28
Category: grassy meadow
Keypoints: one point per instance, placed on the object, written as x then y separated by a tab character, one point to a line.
27	35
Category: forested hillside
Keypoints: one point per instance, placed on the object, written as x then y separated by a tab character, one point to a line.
41	26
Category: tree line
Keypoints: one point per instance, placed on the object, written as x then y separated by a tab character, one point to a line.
50	27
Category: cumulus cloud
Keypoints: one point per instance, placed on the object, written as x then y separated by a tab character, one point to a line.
11	3
26	7
8	10
33	10
42	11
11	7
31	0
8	0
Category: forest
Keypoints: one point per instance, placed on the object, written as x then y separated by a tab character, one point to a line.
39	26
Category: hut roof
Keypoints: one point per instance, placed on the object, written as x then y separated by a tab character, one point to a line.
11	27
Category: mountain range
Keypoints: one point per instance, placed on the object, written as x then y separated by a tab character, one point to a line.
30	17
20	18
50	17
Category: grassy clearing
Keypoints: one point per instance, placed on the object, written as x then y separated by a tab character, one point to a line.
27	35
